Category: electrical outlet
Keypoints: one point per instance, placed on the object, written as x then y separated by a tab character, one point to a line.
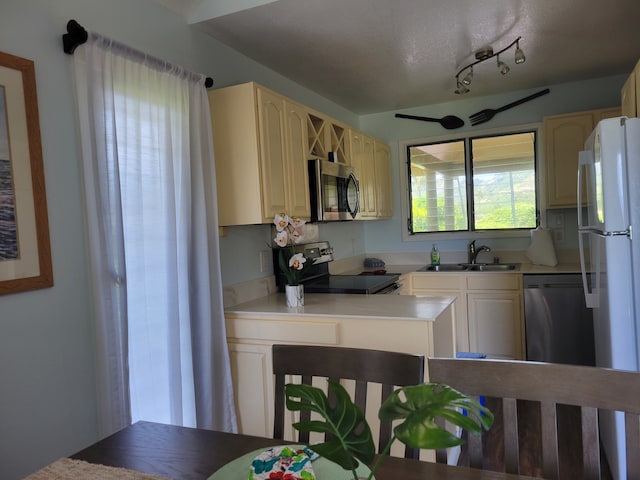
558	235
265	260
559	219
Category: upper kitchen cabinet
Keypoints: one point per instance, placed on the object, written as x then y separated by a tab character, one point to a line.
384	193
371	159
261	149
326	136
630	93
564	137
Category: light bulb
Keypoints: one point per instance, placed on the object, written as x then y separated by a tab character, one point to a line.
519	58
503	67
462	89
468	77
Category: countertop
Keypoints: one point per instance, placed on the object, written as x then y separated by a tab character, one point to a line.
525	268
406	307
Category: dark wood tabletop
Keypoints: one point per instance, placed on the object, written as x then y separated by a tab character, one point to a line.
184	453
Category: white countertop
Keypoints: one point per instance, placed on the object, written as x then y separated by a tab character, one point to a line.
405	307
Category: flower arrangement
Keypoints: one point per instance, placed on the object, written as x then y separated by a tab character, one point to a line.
288	234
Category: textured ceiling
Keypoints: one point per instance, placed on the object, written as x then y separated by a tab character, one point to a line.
379	55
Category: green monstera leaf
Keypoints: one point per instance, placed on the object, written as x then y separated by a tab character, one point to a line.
419	406
350	436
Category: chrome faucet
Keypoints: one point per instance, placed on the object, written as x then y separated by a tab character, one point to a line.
473	251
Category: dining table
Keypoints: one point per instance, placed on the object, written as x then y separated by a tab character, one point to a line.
184	453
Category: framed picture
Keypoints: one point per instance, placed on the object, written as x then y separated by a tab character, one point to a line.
25	251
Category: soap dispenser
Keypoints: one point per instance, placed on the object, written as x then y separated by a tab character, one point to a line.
435	255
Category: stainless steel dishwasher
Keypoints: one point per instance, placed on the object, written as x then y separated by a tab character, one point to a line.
558	325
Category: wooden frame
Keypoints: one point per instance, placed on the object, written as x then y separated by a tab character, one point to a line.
25	251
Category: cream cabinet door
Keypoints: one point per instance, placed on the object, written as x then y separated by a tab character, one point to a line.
384	193
495	324
565	136
272	152
297	193
362	152
444	284
252	375
564	139
628	96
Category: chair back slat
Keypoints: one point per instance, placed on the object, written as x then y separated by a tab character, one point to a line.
549	432
510	420
556	392
590	443
365	366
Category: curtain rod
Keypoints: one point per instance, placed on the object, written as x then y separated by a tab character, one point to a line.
76	35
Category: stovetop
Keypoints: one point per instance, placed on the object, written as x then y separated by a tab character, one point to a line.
365	284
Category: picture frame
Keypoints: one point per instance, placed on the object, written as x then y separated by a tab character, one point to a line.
25	249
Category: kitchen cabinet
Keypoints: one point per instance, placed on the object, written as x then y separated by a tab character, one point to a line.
382	167
261	143
371	159
327	135
630	92
564	137
488	310
370	321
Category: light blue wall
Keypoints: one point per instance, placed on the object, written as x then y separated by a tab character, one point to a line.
386	236
47	400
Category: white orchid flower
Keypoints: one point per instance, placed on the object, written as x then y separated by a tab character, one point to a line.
297	261
297	236
281	221
282	238
297	222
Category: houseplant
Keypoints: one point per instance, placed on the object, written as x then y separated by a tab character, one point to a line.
417	406
289	232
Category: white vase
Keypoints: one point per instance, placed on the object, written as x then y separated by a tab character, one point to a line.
295	295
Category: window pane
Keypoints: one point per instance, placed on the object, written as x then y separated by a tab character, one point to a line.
504	181
438	187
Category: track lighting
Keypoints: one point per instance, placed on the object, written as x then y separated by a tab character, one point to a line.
481	56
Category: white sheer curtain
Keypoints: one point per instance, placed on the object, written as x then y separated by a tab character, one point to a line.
153	245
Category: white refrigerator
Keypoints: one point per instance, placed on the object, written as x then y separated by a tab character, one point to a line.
609	243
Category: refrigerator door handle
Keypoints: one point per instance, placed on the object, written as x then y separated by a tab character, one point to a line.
590	296
585	158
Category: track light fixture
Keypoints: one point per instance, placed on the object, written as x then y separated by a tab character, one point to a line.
481	56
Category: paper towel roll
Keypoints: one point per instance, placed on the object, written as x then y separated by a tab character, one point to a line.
541	251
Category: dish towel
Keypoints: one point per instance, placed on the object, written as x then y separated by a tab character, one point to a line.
541	251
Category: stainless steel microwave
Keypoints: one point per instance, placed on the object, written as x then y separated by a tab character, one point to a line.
334	191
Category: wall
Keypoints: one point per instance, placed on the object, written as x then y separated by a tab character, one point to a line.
47	400
386	236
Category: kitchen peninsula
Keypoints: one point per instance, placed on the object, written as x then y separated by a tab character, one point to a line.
403	323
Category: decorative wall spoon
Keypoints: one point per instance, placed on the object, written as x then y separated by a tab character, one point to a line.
449	122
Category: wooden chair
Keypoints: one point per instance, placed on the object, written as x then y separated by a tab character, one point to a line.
339	363
554	388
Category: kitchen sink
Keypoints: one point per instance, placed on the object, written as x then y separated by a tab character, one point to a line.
492	267
470	267
444	267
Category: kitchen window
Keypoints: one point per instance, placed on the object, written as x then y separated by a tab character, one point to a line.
483	183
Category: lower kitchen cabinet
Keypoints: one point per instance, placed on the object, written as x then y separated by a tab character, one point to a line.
495	324
488	311
250	337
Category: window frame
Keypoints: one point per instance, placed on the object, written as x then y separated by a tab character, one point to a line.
466	135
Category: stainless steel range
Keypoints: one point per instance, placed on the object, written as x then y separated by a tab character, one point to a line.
318	279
